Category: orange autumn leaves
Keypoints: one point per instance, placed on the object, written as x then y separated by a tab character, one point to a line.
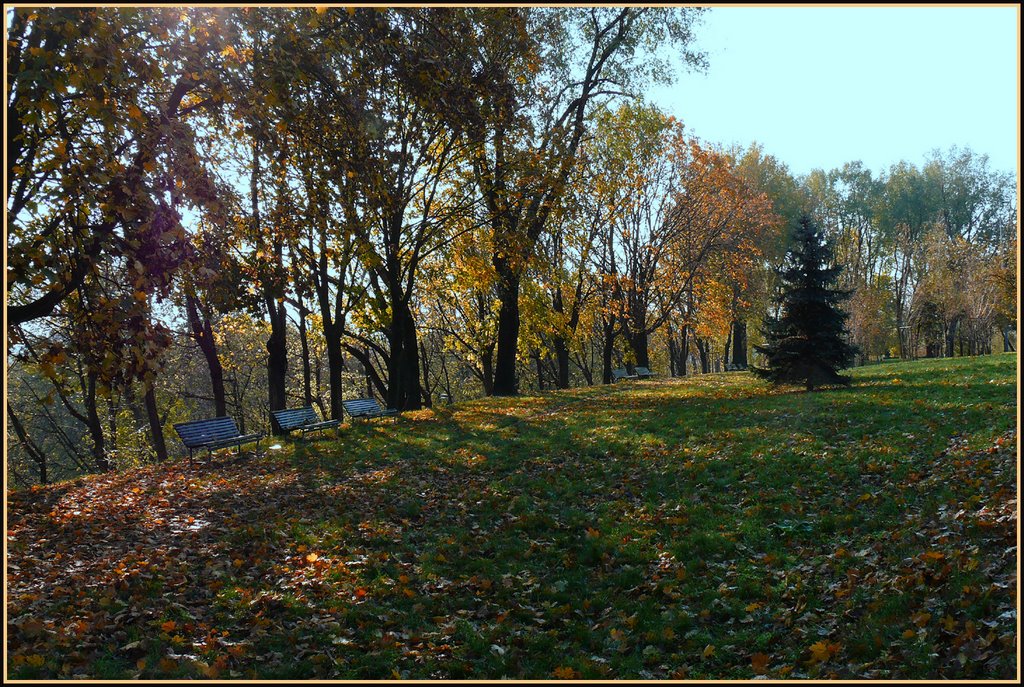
817	653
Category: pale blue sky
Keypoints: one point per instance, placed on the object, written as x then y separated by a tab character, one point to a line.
820	86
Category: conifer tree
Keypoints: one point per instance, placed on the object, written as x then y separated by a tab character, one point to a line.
806	342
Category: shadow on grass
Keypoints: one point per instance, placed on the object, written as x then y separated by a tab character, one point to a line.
486	511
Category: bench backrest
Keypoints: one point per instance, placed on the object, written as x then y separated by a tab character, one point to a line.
199	432
362	406
619	373
293	418
642	371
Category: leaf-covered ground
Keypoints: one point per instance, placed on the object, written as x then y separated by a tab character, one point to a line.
706	528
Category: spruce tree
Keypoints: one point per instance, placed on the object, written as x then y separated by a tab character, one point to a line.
806	342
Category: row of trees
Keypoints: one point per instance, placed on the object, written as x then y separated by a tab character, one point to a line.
930	252
233	211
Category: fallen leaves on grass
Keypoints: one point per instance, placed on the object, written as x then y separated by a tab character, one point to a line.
675	544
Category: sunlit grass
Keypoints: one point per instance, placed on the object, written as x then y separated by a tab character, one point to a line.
655	529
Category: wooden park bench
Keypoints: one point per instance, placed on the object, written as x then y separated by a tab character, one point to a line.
304	419
643	372
367	408
620	373
216	432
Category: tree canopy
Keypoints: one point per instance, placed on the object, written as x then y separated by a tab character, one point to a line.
235	210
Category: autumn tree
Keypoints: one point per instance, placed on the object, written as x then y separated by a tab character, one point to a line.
100	156
97	113
764	174
564	268
540	72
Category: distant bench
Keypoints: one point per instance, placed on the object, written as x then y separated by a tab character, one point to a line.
643	372
367	408
620	373
304	419
213	433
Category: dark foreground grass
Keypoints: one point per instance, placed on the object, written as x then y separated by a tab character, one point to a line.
706	528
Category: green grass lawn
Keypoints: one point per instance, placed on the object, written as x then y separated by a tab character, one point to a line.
667	529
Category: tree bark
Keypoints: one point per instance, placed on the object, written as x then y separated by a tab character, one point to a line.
404	390
332	319
277	357
607	347
702	350
307	372
739	344
951	337
638	341
562	360
684	352
202	332
505	381
156	430
277	343
425	385
487	368
95	425
335	366
673	352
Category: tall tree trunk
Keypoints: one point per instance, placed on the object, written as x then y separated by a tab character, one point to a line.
277	343
487	368
505	381
607	348
951	337
202	332
559	343
332	320
739	343
277	358
307	372
673	351
684	351
404	390
562	359
428	390
702	350
112	423
638	341
156	430
335	366
95	425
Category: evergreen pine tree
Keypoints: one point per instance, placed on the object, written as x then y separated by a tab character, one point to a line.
806	343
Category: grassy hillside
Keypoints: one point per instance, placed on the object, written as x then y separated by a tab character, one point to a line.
706	528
